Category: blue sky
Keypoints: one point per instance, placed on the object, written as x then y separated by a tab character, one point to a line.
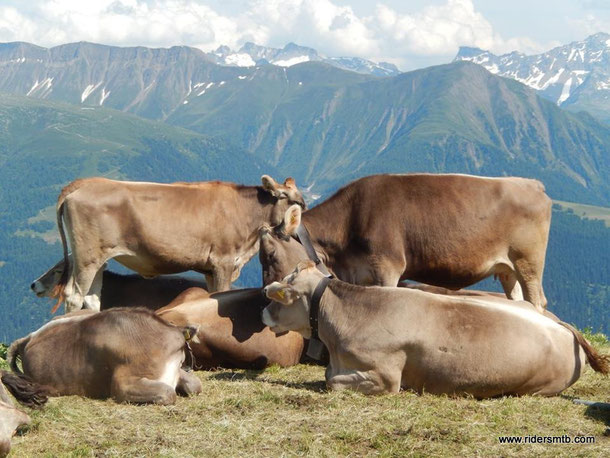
411	34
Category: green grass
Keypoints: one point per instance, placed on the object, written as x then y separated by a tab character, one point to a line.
288	412
587	211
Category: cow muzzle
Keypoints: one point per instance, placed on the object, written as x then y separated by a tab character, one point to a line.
268	319
38	288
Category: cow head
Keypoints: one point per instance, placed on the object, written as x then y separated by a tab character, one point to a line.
287	194
43	285
291	298
279	251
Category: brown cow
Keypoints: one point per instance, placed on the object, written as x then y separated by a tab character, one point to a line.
10	419
154	229
231	333
130	355
382	338
443	230
124	290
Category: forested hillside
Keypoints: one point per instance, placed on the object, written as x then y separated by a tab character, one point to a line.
578	269
45	145
325	124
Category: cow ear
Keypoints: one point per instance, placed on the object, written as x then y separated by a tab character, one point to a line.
304	265
292	219
270	185
290	183
190	333
281	293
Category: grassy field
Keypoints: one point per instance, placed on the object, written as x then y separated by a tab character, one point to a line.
587	211
288	412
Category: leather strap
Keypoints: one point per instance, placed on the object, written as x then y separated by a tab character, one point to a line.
315	348
305	239
314	307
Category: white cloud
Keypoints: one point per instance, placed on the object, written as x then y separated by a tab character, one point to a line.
331	28
590	23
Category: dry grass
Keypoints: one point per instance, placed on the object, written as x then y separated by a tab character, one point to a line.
287	412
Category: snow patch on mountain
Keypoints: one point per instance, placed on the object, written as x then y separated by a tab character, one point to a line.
565	91
104	95
239	60
251	54
41	89
292	61
89	90
558	73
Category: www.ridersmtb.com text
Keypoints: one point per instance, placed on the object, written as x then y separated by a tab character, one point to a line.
563	439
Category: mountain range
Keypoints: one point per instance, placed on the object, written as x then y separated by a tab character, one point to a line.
144	81
322	123
575	76
251	54
319	122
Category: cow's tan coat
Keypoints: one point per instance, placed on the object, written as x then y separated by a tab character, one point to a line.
154	229
444	230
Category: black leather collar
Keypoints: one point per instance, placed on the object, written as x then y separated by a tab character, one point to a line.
315	348
305	240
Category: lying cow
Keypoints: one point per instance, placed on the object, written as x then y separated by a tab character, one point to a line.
443	230
10	420
123	290
130	355
231	333
154	229
382	339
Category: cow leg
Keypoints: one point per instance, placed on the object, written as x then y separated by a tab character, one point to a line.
74	298
366	382
530	279
83	277
141	390
221	279
511	286
209	281
188	384
92	299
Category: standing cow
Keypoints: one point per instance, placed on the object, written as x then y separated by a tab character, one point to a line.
153	229
443	230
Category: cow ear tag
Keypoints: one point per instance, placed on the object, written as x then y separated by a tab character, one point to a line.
315	349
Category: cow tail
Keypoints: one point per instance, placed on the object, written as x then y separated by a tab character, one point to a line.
58	291
599	363
25	390
15	351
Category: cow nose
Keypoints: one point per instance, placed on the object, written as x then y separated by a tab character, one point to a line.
33	285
